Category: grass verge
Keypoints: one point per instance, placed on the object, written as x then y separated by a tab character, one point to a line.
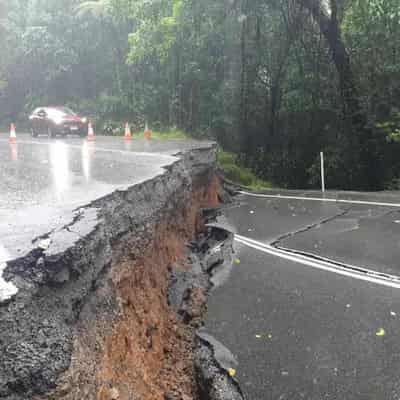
238	173
173	134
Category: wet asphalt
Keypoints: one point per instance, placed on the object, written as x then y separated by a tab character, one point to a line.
297	332
303	333
42	181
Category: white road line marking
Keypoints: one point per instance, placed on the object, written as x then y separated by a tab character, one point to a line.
368	275
323	260
360	202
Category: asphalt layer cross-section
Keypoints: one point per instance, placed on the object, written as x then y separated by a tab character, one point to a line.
43	180
304	333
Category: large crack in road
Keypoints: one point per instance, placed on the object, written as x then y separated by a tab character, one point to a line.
306	228
93	316
111	305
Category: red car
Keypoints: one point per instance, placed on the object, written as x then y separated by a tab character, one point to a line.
53	121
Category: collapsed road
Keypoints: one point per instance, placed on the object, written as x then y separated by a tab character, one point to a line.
100	295
311	306
108	251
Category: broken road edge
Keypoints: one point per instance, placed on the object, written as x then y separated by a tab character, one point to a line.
89	293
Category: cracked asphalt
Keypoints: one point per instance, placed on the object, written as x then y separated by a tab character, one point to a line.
297	332
300	332
44	180
363	236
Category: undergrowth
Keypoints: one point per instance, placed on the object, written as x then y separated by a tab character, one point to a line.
239	174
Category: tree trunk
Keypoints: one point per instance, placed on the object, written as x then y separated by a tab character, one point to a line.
329	27
243	114
364	173
178	91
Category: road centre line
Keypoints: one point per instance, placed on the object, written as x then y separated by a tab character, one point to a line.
340	201
349	271
323	260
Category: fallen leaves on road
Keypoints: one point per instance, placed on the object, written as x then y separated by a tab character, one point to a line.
44	244
381	332
266	336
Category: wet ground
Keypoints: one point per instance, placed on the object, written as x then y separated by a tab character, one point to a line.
86	314
42	181
300	331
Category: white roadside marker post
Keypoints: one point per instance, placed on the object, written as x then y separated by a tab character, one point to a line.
322	173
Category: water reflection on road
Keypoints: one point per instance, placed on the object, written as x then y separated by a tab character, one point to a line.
43	181
14	151
59	160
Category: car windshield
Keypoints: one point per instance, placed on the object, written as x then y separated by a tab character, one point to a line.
66	111
55	113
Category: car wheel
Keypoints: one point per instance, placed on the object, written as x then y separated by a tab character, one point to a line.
51	133
34	132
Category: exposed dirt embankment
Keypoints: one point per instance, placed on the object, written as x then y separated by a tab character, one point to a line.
92	319
148	352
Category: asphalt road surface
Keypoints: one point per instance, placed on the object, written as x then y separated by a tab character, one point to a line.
312	306
42	181
308	321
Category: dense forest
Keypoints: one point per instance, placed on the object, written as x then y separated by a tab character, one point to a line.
275	81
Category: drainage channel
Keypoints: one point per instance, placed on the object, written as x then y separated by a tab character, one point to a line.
322	263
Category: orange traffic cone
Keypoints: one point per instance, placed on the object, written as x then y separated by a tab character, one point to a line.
13	136
128	133
147	132
91	135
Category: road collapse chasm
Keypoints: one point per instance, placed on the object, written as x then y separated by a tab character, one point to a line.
115	315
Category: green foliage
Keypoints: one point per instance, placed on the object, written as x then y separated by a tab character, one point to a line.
394	184
237	173
156	32
372	31
116	128
170	134
110	127
333	163
256	75
391	128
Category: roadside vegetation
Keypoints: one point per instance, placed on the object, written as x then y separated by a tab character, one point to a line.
274	82
171	134
236	172
118	129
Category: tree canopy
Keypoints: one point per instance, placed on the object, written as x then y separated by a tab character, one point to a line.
275	81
